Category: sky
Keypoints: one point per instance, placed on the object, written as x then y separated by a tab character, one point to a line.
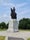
22	9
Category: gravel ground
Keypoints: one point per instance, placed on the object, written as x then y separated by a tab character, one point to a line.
20	34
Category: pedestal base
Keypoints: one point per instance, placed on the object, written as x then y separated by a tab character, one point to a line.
13	25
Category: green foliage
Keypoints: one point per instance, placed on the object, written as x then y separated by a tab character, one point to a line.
24	23
7	25
3	25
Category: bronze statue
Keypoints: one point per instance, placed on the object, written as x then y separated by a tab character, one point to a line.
13	13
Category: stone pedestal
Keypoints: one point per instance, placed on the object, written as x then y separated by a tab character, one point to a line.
13	25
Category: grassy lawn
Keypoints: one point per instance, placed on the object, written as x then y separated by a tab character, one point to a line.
28	39
2	37
24	30
3	29
19	30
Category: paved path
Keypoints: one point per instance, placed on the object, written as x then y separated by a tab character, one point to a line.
20	34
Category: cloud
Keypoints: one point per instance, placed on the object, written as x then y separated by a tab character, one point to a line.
5	3
24	14
3	16
21	5
25	11
1	1
13	5
9	5
0	16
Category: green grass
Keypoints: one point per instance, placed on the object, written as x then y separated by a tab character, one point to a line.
24	30
28	39
2	37
3	29
19	30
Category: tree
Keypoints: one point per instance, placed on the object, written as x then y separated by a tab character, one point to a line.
7	25
24	23
3	25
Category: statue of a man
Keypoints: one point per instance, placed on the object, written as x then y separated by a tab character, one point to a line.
13	13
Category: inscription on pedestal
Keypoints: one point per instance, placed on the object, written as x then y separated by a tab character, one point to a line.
13	38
